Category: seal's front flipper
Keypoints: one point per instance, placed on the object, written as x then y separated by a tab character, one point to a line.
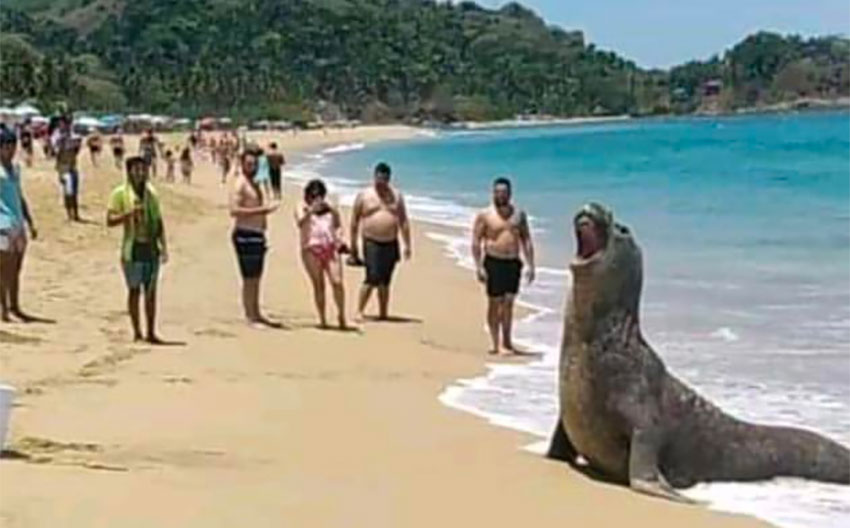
560	447
644	475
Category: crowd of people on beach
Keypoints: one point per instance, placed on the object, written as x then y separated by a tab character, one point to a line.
379	234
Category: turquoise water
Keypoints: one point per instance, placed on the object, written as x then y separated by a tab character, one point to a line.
745	227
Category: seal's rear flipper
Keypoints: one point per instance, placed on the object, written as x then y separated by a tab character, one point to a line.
560	447
644	475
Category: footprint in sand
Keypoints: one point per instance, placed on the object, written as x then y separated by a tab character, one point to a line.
175	379
214	332
17	339
36	450
31	446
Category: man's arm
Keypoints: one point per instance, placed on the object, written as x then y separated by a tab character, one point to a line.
527	246
404	224
477	238
162	243
356	211
28	217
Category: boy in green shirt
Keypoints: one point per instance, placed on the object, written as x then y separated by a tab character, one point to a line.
135	205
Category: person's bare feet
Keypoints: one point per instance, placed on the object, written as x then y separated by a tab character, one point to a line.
359	318
153	339
137	338
24	318
493	351
5	317
262	322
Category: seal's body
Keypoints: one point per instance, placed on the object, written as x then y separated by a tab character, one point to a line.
632	420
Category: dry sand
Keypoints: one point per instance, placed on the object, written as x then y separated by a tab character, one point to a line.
242	427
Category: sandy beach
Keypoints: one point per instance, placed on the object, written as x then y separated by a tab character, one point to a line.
246	427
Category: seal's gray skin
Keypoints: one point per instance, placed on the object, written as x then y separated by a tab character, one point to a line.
634	422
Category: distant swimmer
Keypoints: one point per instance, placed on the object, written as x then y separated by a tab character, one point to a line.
499	235
14	219
135	206
249	211
379	215
320	227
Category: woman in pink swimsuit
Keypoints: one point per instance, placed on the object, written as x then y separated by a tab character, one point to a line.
321	243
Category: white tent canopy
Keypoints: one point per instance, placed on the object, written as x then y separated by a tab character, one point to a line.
26	110
88	121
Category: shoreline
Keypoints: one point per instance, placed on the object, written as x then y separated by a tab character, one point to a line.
255	427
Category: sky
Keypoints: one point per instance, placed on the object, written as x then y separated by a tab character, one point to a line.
663	33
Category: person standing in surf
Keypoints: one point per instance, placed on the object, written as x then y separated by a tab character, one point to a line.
249	212
499	235
381	212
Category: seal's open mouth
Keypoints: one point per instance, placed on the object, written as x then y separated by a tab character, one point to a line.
590	240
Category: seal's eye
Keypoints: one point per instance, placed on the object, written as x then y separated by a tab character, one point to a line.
623	230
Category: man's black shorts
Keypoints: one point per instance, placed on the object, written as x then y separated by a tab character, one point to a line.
380	259
250	251
503	276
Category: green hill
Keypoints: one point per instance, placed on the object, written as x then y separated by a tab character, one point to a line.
369	59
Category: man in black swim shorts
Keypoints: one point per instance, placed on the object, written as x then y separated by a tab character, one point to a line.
249	211
381	213
499	235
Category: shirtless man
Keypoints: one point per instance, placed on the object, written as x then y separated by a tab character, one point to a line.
249	236
117	143
66	146
503	231
381	211
95	144
149	148
26	137
276	162
225	153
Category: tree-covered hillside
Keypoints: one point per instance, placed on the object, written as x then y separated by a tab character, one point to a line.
367	59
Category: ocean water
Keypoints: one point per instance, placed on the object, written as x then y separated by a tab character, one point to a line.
745	228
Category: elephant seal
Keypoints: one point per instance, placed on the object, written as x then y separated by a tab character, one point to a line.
630	419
